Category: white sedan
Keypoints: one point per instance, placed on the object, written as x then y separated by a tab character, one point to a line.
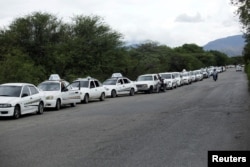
17	99
119	86
90	89
58	93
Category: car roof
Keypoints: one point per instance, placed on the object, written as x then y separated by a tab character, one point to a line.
147	74
16	84
166	73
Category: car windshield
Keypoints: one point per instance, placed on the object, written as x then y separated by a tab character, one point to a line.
166	76
49	86
145	78
10	91
184	74
110	82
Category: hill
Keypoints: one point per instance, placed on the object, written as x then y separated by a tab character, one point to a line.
232	45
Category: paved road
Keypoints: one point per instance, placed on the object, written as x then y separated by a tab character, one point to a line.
170	129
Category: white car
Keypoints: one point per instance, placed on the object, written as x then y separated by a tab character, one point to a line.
238	68
177	76
17	99
148	83
198	75
186	78
119	85
58	93
90	89
170	79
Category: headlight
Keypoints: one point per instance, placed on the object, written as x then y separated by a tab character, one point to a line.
49	97
5	105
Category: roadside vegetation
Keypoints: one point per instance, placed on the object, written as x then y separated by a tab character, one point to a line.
40	44
243	7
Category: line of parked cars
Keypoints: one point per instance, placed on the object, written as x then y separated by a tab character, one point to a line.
17	99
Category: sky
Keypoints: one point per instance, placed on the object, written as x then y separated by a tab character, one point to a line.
172	23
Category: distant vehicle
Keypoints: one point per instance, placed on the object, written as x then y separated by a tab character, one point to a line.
17	99
90	89
192	75
198	75
59	92
177	76
170	79
186	78
148	83
238	68
119	85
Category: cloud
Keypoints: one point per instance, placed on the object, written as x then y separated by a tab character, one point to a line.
190	19
140	20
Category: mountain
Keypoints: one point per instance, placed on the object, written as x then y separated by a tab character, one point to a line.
231	46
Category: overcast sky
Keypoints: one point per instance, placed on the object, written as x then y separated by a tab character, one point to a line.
172	23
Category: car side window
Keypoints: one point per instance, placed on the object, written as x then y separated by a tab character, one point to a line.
126	81
33	90
92	84
26	91
120	81
97	83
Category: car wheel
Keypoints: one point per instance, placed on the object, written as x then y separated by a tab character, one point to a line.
40	108
150	90
86	99
17	112
132	92
113	94
58	104
102	98
73	104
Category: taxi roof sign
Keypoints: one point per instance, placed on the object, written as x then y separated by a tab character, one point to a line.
116	75
54	77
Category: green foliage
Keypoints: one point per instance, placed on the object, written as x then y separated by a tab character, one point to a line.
18	67
244	17
37	45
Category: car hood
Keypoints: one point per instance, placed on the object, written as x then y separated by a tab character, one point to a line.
9	100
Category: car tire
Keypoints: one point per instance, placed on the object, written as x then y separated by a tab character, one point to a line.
73	104
113	93
102	98
150	90
58	104
86	99
40	108
132	92
17	112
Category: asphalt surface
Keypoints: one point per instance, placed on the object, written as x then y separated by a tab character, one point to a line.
172	129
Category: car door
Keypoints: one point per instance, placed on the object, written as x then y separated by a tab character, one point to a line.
127	85
120	87
26	100
34	93
93	90
99	88
73	93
